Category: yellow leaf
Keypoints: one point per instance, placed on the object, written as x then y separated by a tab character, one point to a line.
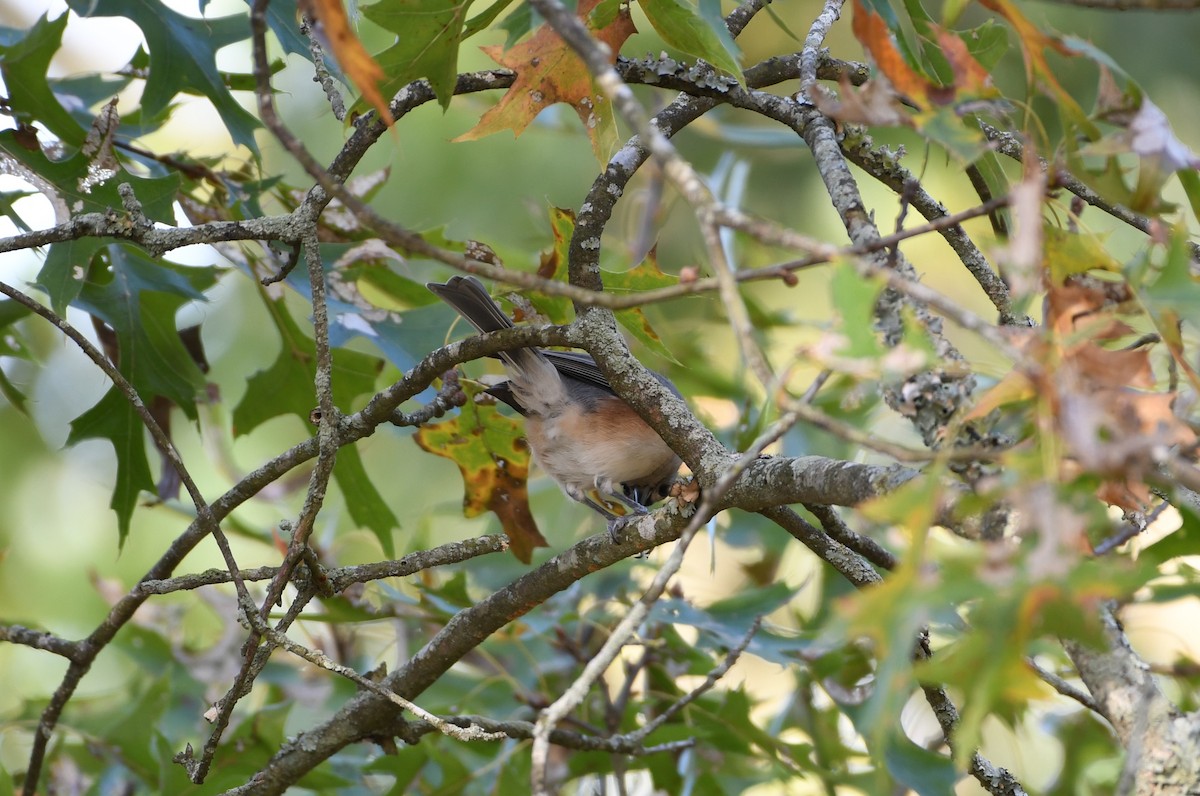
494	462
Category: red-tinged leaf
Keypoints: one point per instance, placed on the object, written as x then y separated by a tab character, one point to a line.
1034	44
875	104
937	117
970	77
873	33
549	72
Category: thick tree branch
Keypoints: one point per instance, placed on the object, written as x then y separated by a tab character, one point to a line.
1162	744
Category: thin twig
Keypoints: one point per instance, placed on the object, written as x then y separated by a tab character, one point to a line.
328	85
1063	687
341	578
318	658
711	680
206	520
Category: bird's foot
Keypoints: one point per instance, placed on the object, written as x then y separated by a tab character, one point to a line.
616	525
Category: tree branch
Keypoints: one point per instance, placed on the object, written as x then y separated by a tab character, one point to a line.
1162	745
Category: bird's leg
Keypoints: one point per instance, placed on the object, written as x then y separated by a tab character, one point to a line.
619	494
616	524
601	505
606	498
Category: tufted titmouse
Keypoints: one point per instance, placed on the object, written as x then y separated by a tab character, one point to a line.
580	432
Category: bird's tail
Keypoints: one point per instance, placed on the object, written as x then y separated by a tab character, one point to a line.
470	298
534	382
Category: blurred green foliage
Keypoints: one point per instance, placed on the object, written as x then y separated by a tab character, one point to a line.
822	700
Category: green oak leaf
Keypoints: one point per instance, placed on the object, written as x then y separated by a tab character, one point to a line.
66	264
685	28
1171	292
281	18
943	126
855	298
928	773
157	195
485	18
139	299
428	35
23	65
645	276
7	199
286	387
987	43
115	420
65	269
11	345
183	55
1190	180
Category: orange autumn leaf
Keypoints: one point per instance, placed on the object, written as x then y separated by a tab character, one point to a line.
508	499
364	72
1034	44
549	72
1073	309
872	32
969	75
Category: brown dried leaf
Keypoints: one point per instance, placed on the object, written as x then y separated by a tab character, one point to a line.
508	499
1103	399
874	104
1034	43
548	72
